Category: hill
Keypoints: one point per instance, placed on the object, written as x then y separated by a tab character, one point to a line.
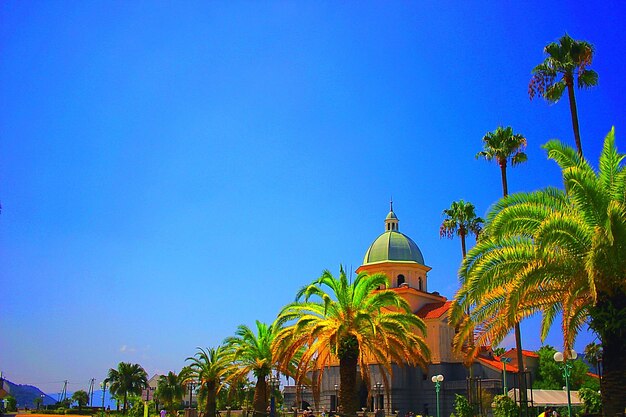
25	394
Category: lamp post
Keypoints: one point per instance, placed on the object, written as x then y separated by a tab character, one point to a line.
103	385
378	388
437	379
274	383
192	385
566	367
336	397
504	362
302	389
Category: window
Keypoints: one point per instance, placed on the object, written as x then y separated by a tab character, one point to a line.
419	284
401	279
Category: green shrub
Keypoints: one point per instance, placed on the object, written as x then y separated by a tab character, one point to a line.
462	407
591	400
503	406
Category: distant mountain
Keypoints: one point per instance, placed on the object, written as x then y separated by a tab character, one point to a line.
25	394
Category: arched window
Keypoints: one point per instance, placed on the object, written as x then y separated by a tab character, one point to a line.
400	279
419	284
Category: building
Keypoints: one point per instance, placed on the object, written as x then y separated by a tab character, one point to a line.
411	388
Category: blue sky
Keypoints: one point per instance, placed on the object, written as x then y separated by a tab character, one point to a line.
170	170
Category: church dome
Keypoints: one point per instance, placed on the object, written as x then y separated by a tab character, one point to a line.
393	245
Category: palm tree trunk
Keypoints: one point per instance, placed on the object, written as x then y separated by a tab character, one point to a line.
523	395
505	186
463	248
125	401
211	400
259	403
607	320
347	382
574	111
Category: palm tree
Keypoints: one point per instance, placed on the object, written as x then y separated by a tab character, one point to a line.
127	379
81	398
504	146
568	59
460	219
554	251
593	355
170	390
354	324
251	352
210	368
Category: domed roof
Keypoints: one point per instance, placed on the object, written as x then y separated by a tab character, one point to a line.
393	246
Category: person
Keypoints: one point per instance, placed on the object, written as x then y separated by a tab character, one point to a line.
545	413
163	412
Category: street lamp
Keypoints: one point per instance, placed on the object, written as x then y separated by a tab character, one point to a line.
336	397
504	362
192	385
378	388
302	389
566	367
438	379
274	385
103	385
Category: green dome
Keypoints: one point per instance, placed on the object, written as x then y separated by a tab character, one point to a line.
393	246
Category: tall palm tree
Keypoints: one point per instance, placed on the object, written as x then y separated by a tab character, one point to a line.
170	390
461	220
567	61
593	355
504	146
251	352
354	324
554	251
210	368
128	378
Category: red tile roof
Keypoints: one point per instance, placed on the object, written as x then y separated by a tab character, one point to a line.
434	310
528	353
496	363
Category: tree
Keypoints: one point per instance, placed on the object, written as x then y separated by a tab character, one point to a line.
210	367
593	355
354	324
81	398
554	251
567	60
499	351
251	352
461	220
127	379
504	146
38	401
550	374
170	390
10	403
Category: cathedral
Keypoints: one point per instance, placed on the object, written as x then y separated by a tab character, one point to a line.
411	389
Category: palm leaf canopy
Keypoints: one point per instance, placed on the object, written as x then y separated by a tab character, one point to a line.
332	317
502	145
548	252
251	352
460	219
567	58
208	366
